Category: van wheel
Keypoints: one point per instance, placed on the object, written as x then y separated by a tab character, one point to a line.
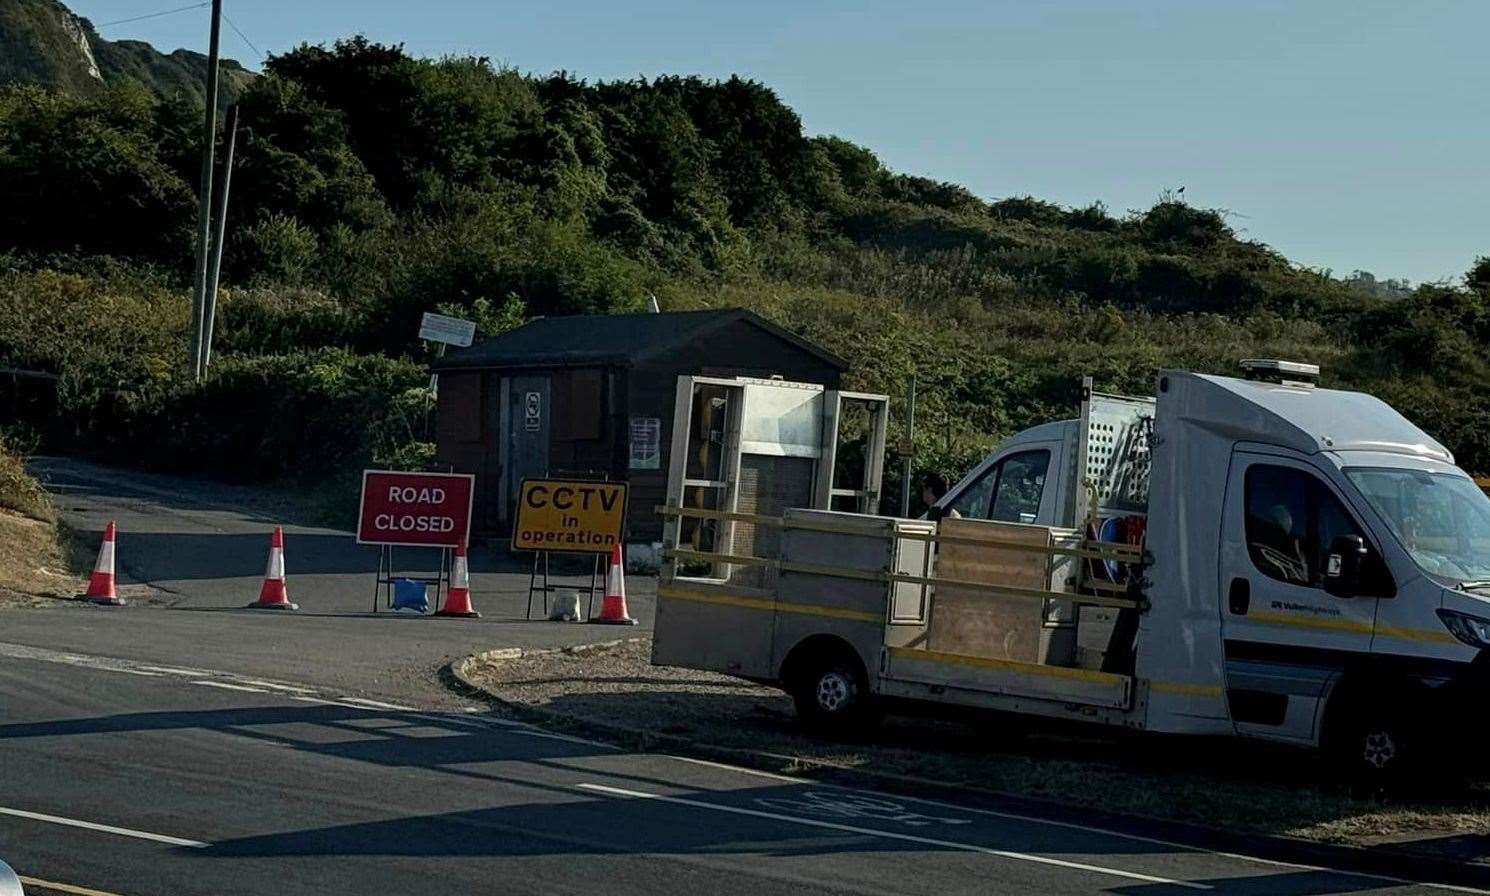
1374	748
832	696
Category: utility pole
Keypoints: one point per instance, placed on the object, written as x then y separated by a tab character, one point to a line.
220	225
204	202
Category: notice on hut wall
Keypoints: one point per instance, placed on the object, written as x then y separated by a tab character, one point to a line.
646	443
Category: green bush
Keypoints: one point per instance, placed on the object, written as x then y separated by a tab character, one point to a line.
275	249
271	415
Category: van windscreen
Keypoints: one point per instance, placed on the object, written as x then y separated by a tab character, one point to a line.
1442	519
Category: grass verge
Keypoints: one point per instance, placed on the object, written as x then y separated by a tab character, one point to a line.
1224	784
36	554
19	492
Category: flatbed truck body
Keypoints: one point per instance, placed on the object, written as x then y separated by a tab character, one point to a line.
1256	557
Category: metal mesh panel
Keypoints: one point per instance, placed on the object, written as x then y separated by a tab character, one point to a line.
1119	452
768	486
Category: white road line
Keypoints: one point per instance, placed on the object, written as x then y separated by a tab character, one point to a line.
725	766
104	828
893	835
544	735
376	704
994	813
323	702
172	670
70	889
276	686
229	687
1070	825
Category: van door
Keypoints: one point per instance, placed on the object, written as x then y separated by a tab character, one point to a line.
1284	636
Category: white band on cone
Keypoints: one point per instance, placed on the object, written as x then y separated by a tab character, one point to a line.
276	568
105	558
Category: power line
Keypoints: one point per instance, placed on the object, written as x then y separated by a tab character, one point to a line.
239	32
152	15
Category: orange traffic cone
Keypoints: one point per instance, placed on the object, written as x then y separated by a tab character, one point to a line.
101	583
274	595
458	599
613	607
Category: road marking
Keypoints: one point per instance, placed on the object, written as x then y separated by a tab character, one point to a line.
172	670
276	686
847	804
62	888
724	766
104	828
323	702
227	686
895	835
1089	829
377	704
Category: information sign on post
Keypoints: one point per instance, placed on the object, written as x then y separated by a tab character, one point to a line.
448	330
415	509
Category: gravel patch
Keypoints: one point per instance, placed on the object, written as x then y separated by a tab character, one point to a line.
1223	783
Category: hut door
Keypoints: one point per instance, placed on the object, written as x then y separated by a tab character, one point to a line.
529	416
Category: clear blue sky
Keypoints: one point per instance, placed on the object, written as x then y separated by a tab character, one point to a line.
1345	133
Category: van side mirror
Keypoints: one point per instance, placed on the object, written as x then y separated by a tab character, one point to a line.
1342	567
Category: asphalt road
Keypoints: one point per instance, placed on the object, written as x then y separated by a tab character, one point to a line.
130	778
191	554
181	746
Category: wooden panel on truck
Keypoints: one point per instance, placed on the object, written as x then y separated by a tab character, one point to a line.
851	608
967	622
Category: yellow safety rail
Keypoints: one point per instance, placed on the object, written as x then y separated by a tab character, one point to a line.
1089	549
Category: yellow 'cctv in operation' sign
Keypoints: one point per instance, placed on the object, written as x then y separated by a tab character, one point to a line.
569	515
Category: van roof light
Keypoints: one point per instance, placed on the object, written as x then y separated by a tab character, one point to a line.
1287	373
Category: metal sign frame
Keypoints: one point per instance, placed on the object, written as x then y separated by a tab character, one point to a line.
386	576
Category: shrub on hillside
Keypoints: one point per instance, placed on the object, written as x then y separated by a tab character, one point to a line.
272	415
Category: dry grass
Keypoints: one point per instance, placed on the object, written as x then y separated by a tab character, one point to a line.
1223	783
34	563
18	491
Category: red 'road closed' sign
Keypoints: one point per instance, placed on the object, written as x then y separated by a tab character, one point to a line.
417	509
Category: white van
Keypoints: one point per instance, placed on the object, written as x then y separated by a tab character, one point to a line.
1251	556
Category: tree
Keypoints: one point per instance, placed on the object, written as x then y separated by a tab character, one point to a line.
88	174
1478	277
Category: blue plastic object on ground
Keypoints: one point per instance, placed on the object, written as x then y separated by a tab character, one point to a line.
410	594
